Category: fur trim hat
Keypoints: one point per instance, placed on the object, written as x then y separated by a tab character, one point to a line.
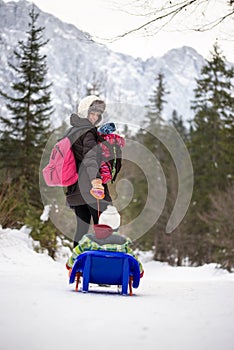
110	217
86	103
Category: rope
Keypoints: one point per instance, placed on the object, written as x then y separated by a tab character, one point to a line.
98	208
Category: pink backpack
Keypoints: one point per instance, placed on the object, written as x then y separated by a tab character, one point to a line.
61	170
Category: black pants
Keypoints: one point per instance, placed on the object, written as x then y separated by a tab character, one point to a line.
84	213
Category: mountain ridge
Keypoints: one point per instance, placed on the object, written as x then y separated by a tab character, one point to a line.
74	60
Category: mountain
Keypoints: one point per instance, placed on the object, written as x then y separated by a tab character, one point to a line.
75	60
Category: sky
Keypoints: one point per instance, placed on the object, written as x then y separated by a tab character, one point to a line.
105	19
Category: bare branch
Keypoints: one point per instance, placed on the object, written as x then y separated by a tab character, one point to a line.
173	13
213	24
170	10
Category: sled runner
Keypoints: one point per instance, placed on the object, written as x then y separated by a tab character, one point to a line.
103	267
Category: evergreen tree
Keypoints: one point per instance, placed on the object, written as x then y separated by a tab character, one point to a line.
157	101
26	128
24	133
154	117
156	125
210	147
94	86
177	122
214	115
178	239
220	222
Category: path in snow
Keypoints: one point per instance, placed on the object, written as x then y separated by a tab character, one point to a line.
174	308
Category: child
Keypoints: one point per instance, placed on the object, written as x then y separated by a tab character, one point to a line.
105	237
111	147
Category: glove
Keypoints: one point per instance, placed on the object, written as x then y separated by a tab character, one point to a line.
142	274
97	190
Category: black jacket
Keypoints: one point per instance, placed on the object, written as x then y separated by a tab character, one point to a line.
84	139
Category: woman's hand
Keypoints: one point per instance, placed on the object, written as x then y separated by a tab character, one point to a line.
97	190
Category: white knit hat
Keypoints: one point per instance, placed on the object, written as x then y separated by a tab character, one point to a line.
110	217
85	104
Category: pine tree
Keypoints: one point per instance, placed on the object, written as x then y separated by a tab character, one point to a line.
157	126
157	101
214	109
221	224
210	148
26	128
154	119
177	122
24	133
95	86
178	239
154	122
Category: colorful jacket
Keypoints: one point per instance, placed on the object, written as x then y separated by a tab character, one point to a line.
90	242
111	145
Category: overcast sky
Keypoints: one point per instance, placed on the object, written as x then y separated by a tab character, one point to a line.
102	20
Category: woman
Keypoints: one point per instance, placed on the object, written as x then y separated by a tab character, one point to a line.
88	196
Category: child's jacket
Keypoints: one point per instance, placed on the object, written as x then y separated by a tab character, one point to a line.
115	243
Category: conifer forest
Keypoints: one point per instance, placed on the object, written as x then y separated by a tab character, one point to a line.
206	233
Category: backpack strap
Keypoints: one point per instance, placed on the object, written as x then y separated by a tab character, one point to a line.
114	172
72	131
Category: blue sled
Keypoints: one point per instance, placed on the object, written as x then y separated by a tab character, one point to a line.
104	267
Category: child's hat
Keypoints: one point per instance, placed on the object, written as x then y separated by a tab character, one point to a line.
110	217
107	128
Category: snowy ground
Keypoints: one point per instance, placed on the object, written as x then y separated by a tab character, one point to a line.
174	308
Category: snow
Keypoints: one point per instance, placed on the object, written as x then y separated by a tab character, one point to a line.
174	307
73	59
45	215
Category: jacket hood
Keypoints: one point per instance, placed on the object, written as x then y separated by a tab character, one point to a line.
102	231
75	120
85	104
